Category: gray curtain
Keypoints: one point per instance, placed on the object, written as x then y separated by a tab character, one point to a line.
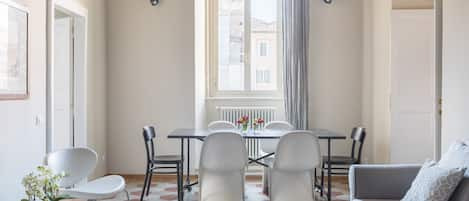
295	55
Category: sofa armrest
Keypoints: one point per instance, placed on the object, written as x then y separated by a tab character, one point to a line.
381	181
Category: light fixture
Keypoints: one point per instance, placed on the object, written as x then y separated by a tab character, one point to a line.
154	2
328	1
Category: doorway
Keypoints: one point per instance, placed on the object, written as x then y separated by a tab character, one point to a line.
66	90
414	83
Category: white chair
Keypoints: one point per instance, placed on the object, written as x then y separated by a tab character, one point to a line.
78	164
222	164
296	157
221	125
268	146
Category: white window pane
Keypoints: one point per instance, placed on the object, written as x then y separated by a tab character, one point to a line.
264	38
231	45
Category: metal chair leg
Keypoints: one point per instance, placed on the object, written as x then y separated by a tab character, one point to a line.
178	178
127	194
322	180
149	182
145	183
181	178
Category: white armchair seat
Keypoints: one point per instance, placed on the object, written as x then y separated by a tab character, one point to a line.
78	163
102	188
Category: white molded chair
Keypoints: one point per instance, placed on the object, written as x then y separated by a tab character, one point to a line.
78	164
221	125
270	145
222	164
296	157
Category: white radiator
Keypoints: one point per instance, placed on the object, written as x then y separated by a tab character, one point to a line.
232	114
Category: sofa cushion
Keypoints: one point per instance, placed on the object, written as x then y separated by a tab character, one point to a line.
434	183
457	156
462	191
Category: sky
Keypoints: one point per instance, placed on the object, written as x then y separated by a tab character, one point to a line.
265	10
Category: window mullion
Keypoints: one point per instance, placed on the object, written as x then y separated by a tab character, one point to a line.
247	45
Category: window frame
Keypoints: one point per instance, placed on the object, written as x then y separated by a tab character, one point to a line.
212	56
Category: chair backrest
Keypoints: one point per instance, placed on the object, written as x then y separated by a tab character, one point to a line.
297	151
149	134
358	138
76	163
223	151
279	125
221	125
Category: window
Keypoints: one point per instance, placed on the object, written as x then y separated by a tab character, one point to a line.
245	51
262	76
262	49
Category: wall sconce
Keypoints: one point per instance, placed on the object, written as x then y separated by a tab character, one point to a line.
328	1
154	2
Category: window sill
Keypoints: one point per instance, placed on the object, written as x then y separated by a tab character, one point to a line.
245	98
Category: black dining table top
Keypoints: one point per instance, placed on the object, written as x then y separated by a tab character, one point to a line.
253	134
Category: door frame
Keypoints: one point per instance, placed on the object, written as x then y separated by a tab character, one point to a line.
437	25
80	19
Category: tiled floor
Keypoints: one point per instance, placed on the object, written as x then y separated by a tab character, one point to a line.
164	189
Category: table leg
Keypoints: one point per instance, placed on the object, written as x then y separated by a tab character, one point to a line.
329	179
183	158
188	177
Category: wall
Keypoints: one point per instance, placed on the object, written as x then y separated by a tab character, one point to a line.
412	4
95	77
335	68
149	83
150	77
23	142
96	81
455	72
376	77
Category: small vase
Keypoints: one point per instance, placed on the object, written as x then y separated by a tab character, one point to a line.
245	128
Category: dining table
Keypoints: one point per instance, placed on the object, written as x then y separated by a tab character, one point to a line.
185	135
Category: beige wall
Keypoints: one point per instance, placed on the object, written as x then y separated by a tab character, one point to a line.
376	76
455	72
151	77
151	74
96	78
335	68
23	143
412	4
97	85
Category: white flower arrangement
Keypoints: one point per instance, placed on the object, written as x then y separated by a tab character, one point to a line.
43	185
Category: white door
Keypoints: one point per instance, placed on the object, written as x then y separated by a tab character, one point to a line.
413	86
62	82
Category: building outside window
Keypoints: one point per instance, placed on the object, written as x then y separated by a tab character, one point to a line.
245	53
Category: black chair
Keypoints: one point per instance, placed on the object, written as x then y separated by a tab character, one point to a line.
343	163
155	162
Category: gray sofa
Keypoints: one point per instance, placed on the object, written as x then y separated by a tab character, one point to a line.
390	183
